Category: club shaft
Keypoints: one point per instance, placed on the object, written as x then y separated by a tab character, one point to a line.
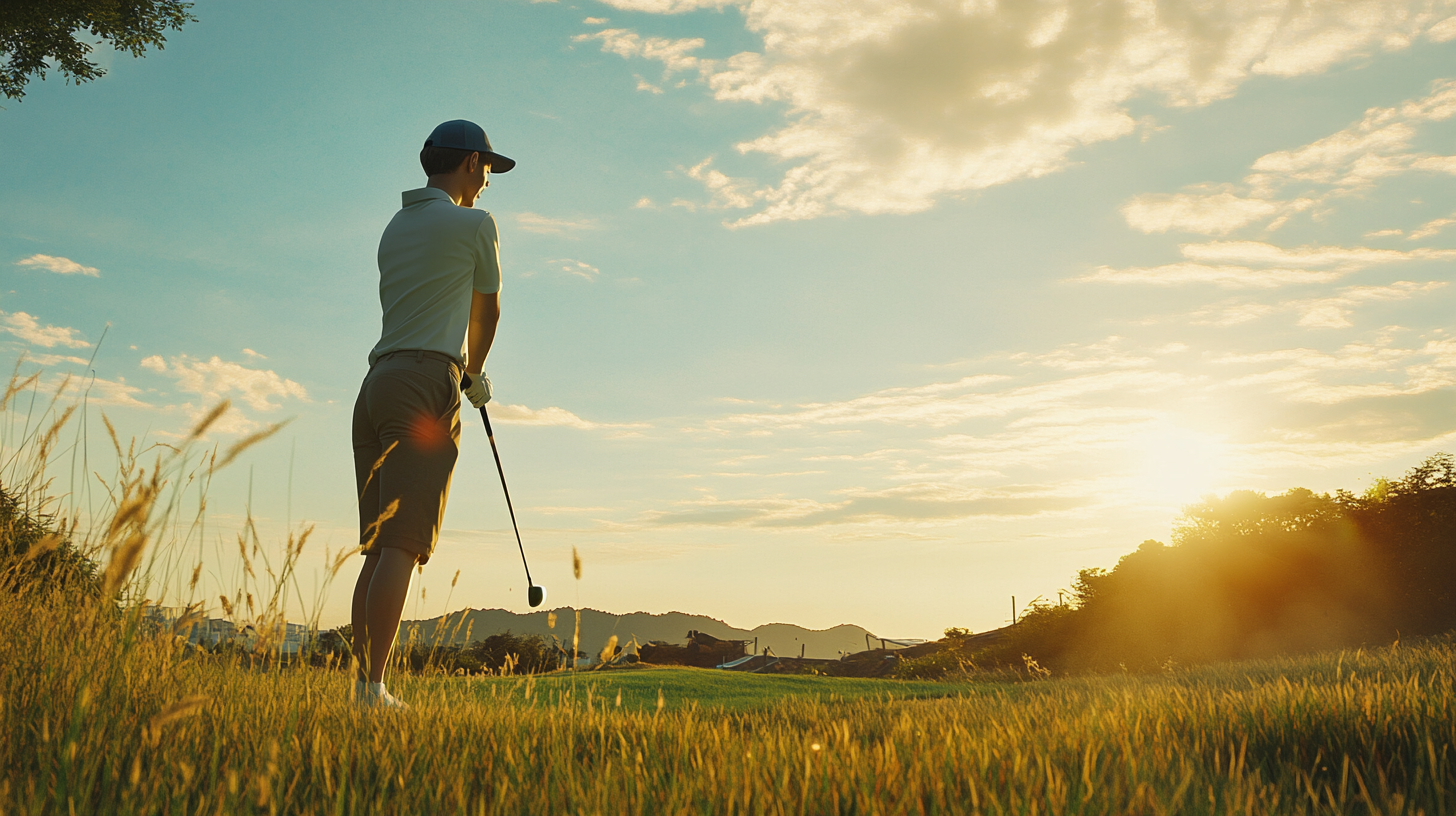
490	434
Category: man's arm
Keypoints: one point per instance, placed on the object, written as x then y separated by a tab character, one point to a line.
484	315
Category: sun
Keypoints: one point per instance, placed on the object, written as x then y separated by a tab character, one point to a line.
1173	465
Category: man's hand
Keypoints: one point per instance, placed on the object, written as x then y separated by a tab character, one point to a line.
477	389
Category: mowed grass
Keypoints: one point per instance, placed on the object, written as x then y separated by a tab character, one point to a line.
640	689
99	719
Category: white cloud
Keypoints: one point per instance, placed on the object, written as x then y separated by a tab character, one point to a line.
255	355
669	6
1329	312
927	502
114	392
1287	269
580	269
1346	258
29	329
893	103
727	191
61	266
644	203
559	417
1430	228
544	225
1229	277
215	380
1355	371
1334	312
1377	147
1206	213
56	359
943	404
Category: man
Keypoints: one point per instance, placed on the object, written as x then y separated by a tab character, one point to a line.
439	286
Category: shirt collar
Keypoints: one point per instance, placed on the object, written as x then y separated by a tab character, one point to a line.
409	197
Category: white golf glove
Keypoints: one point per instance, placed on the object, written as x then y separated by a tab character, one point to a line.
478	392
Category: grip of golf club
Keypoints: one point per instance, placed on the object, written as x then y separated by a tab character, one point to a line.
465	382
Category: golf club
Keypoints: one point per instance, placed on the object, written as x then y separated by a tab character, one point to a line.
534	595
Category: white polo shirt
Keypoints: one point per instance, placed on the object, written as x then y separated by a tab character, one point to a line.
432	255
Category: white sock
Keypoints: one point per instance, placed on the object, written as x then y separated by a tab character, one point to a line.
377	689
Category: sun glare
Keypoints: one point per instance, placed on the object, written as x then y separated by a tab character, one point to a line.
1176	466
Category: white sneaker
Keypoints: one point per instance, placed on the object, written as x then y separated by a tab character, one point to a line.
376	696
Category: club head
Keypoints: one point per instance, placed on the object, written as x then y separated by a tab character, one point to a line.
536	595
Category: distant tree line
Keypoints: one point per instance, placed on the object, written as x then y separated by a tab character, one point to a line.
500	653
1250	575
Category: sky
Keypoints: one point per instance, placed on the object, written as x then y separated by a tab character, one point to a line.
874	311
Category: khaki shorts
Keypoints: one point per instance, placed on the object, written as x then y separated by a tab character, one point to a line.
409	399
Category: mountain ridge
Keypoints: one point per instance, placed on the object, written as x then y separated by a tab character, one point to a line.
786	639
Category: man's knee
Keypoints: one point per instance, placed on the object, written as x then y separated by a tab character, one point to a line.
398	551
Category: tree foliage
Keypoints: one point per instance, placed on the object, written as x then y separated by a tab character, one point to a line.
36	552
40	34
1252	575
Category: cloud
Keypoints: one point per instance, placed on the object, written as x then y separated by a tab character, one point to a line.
669	6
943	404
930	502
61	266
1334	312
644	85
1330	312
1430	228
543	225
1377	146
114	392
1288	265
29	329
255	355
580	269
1105	433
549	417
215	380
1349	258
645	203
56	359
890	105
1229	277
1282	183
1354	371
1207	213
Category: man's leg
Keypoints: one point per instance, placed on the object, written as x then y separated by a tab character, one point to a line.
388	590
368	458
406	441
359	619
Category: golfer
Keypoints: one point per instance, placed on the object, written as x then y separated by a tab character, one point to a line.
439	286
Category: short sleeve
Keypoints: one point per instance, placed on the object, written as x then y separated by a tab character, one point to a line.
487	257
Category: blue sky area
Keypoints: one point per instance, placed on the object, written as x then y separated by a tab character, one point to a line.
879	317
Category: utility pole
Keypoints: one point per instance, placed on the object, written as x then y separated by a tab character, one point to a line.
1013	610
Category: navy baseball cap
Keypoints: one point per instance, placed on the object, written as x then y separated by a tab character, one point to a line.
461	134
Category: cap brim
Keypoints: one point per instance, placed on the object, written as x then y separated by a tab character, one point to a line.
499	163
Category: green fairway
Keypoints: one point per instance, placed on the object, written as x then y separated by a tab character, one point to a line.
682	687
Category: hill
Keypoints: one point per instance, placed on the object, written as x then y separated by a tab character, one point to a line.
596	626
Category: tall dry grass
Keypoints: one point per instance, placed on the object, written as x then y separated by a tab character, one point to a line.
103	720
104	715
